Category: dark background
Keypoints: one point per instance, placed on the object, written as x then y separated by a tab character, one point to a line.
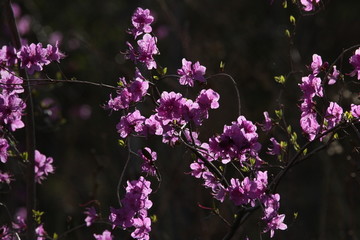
249	37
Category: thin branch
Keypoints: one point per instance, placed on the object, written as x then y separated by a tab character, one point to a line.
29	127
123	172
235	85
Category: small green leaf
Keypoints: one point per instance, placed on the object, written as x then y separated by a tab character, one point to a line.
280	79
24	156
292	19
348	116
245	169
283	145
55	236
296	214
336	136
287	33
288	129
305	151
156	77
37	216
222	66
284	4
73	79
252	161
153	218
221	168
121	143
279	113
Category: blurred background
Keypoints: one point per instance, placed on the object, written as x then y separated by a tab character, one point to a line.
249	37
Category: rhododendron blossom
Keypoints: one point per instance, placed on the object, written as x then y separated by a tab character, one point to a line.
191	72
355	62
309	5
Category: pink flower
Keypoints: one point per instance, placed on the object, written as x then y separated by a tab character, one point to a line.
355	110
191	72
355	61
309	5
141	21
316	64
106	235
267	124
4	145
91	216
43	166
333	115
275	149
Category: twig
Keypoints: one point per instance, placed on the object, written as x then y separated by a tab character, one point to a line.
29	127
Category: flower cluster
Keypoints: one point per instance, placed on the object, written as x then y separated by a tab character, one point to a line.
311	87
238	141
129	93
146	47
271	217
31	57
134	210
173	110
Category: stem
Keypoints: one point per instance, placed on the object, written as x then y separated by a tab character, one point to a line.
123	172
235	85
29	128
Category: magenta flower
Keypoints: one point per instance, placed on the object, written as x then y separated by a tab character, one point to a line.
91	216
355	61
6	233
33	57
334	76
142	228
149	157
309	5
239	140
197	169
333	115
147	48
130	123
5	177
11	108
275	149
43	166
40	232
53	53
208	99
10	83
276	223
267	124
141	21
316	64
191	72
106	235
355	110
153	125
8	56
310	125
4	145
311	86
170	106
133	212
